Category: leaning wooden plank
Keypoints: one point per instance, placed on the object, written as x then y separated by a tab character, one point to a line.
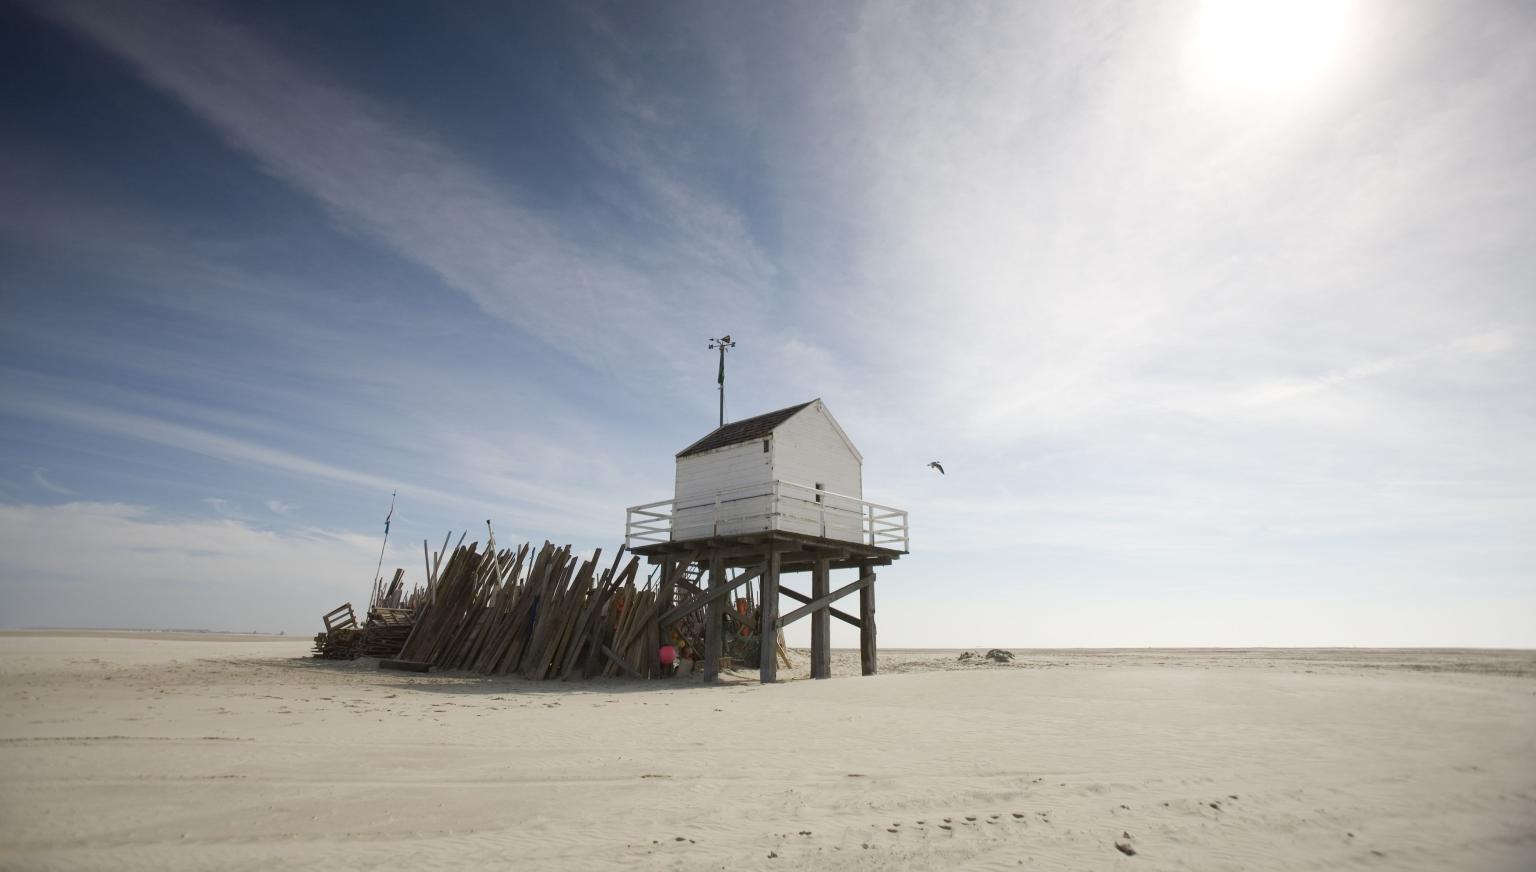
601	627
619	662
426	557
524	613
618	620
474	624
571	610
586	624
566	610
547	611
506	601
640	653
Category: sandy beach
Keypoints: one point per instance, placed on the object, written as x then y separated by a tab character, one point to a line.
162	751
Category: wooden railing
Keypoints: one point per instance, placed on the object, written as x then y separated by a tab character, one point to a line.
777	505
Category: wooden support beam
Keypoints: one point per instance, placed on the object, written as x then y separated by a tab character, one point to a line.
714	623
713	594
768	623
821	621
868	656
836	613
830	598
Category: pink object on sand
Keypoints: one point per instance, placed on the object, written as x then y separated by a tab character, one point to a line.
668	655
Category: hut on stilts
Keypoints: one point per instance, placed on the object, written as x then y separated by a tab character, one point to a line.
757	500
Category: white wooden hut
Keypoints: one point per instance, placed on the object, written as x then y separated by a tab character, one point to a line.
792	470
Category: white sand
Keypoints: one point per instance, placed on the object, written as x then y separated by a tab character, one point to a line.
204	753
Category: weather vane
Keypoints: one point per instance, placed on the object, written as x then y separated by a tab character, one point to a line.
722	343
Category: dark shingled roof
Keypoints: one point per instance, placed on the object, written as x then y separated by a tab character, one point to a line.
744	430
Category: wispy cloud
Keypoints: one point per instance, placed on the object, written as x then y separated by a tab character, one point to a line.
1445	354
382	179
193	439
40	478
278	507
475	481
146	570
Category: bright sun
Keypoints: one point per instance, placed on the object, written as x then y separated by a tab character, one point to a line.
1267	45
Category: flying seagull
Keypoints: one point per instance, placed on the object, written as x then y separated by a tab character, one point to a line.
937	465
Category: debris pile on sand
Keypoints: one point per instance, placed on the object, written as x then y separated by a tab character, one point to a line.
539	612
342	635
995	655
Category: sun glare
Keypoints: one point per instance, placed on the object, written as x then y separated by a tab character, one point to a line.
1267	45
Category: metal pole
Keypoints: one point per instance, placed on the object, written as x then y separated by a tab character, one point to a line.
722	343
380	567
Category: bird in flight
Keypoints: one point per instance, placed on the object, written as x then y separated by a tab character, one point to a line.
939	466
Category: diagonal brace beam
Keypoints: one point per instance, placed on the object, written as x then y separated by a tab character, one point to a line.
836	613
694	603
823	602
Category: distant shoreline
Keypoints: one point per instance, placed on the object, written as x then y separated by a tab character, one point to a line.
163	635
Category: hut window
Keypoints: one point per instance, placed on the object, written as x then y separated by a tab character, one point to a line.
819	487
765	446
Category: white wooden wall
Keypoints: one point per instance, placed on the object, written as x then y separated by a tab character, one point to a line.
809	450
701	476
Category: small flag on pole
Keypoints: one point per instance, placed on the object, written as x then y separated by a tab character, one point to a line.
390	515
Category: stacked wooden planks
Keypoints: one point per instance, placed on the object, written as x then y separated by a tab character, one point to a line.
540	614
340	644
386	632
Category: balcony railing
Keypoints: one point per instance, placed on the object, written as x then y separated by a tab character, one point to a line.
777	506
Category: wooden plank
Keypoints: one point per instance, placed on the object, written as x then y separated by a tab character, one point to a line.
768	636
714	625
619	662
821	621
836	613
869	661
832	597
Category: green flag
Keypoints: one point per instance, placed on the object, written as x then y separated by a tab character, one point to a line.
721	379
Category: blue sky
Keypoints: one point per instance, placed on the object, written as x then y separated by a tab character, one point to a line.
1219	315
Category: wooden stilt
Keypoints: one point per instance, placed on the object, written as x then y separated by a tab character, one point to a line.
768	622
821	621
868	660
714	641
